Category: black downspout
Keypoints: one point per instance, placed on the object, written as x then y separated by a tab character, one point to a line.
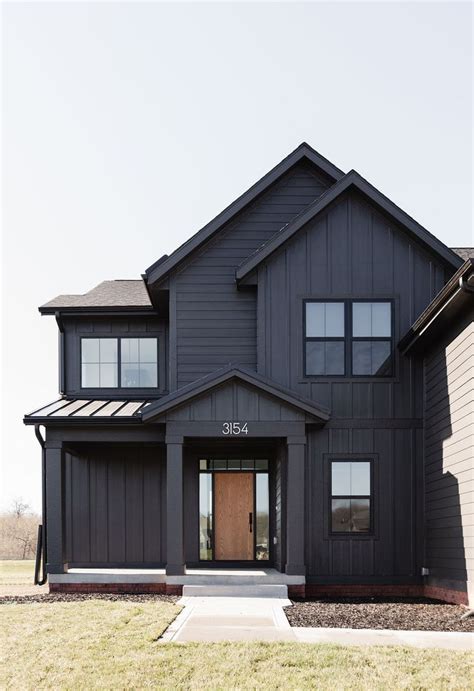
41	550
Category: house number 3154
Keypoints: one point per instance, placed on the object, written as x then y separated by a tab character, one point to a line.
234	428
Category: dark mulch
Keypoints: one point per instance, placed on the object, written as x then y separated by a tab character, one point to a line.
78	597
386	613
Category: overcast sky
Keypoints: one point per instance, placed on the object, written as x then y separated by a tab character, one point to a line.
126	127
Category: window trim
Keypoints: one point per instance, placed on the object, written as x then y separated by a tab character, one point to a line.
348	338
348	533
119	365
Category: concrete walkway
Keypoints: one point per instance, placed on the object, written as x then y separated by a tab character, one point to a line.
214	619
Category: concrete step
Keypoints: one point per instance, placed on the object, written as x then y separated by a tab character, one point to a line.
268	590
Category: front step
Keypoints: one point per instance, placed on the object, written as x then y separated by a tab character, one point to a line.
268	590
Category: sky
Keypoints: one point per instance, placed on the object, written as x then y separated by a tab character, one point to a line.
128	126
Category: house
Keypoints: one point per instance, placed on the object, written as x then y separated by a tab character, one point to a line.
245	405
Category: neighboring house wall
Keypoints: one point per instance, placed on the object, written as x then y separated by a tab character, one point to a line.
213	324
449	457
115	506
76	328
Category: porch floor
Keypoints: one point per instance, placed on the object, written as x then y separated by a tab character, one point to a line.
201	576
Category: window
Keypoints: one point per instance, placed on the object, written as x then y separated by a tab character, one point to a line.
99	362
351	496
100	358
139	362
324	323
372	339
346	337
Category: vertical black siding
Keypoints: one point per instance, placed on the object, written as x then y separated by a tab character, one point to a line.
115	506
215	324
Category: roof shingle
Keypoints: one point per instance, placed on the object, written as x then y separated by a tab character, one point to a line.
118	293
464	252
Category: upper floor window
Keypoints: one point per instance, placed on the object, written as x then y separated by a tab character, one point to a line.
348	338
351	496
101	357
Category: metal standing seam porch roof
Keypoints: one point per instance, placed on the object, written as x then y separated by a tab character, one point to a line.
87	410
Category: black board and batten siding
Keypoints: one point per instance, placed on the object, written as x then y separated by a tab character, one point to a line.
115	506
215	324
449	458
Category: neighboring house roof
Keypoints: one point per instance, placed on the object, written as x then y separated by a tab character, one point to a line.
232	372
464	252
356	181
122	294
161	268
454	299
82	410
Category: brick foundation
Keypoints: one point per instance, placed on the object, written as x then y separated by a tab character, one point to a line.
117	588
456	597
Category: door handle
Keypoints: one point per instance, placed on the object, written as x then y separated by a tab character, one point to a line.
250	521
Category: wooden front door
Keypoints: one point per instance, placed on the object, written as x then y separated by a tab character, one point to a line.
234	519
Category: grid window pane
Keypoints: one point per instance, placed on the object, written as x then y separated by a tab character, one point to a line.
341	515
360	515
99	362
360	478
90	350
139	362
371	358
371	319
108	375
90	375
341	478
325	319
325	357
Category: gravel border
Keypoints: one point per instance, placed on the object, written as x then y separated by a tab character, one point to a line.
380	613
80	597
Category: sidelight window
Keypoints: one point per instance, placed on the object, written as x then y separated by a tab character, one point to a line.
348	338
351	496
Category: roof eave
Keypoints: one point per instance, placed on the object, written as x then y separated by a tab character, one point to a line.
96	309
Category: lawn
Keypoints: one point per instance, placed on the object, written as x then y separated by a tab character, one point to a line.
113	644
17	572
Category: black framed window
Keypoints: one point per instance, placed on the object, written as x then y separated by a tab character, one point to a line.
371	350
351	496
99	363
348	338
119	363
139	362
324	338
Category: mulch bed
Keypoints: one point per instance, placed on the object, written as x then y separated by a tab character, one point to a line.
78	597
380	613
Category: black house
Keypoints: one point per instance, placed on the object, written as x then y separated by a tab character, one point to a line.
245	405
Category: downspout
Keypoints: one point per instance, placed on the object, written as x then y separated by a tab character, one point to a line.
42	529
60	324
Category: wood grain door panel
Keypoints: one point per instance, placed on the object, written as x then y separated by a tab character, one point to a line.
233	502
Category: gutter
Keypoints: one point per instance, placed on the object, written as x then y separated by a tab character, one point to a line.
42	529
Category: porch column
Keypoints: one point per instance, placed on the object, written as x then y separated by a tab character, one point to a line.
295	506
54	506
174	507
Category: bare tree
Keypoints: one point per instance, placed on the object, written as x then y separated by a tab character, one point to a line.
18	531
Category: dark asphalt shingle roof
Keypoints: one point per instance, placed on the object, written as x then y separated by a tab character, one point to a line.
464	252
119	293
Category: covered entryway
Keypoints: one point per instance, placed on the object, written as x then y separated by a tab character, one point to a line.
235	405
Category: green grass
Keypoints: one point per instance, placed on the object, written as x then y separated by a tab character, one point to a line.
17	572
104	644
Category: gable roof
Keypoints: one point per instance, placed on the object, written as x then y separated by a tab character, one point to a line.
356	181
454	299
226	374
123	294
163	266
